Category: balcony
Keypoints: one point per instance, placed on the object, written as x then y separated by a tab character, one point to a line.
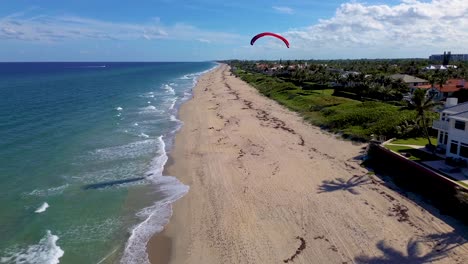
440	125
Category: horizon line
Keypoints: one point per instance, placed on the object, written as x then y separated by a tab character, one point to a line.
139	61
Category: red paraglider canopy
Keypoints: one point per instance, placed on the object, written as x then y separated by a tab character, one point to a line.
269	34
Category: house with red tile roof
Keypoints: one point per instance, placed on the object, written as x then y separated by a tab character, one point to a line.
447	89
262	66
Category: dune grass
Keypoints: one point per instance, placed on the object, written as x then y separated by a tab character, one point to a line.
351	118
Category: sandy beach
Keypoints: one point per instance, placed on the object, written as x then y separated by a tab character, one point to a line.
266	187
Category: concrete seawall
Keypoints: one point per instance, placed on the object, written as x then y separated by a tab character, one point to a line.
439	190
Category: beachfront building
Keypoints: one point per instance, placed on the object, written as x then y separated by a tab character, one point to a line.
453	129
453	57
446	90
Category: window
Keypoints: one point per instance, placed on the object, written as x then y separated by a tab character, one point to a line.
441	137
464	150
459	125
454	147
445	138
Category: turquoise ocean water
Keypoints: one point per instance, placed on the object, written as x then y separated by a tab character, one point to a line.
82	149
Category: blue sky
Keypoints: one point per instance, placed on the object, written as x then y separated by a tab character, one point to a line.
195	30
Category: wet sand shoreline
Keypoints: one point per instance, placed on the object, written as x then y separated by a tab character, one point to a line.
267	188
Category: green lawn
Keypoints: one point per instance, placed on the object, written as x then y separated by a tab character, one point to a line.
420	141
416	154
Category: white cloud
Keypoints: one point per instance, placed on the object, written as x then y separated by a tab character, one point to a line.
57	28
284	10
411	25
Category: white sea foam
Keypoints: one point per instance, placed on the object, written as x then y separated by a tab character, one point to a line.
119	108
150	107
128	151
173	101
169	89
124	170
143	135
173	118
42	208
187	95
46	251
194	76
148	95
154	217
48	192
135	124
157	120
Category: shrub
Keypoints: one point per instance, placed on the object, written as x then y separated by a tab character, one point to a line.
355	119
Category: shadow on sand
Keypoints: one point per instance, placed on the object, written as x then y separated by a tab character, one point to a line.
446	241
440	243
341	184
102	185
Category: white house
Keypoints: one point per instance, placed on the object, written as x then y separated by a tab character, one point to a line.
453	129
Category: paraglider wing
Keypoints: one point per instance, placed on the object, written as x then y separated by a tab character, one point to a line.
269	34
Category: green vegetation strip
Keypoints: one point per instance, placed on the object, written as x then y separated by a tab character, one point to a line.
354	119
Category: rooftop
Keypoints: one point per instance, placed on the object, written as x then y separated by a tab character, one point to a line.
407	78
452	85
459	108
461	115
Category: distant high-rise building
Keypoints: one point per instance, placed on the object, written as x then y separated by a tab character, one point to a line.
448	57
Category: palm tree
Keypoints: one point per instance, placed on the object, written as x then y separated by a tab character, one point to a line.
422	104
441	80
399	87
432	80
